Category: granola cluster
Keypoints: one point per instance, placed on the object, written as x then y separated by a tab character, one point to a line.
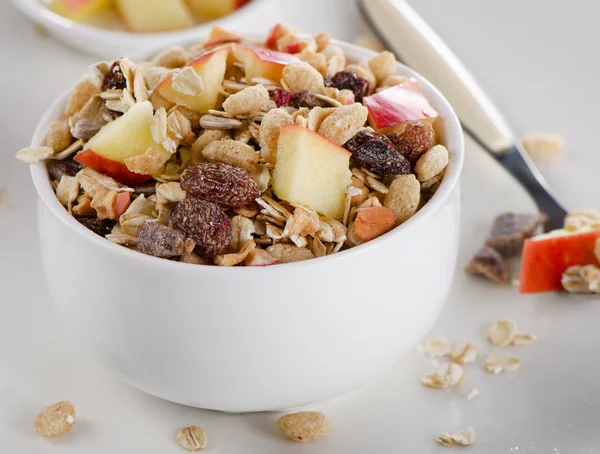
234	152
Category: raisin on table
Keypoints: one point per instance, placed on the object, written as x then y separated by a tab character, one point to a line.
510	230
205	223
220	183
488	262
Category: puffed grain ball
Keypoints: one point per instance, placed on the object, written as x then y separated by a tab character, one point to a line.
55	420
301	76
304	426
432	163
59	135
403	197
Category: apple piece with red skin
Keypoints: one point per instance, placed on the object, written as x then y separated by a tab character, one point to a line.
276	33
219	36
312	171
263	63
211	68
546	257
391	109
122	203
80	10
293	48
212	9
113	169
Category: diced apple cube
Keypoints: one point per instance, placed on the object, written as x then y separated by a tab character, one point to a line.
264	63
80	10
151	16
312	171
211	9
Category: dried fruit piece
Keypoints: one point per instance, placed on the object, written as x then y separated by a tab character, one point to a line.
375	152
403	197
205	223
436	347
501	333
304	426
490	264
414	140
192	438
99	227
510	230
464	354
373	222
161	241
68	167
220	183
446	376
282	97
581	279
55	420
114	79
496	364
304	98
348	80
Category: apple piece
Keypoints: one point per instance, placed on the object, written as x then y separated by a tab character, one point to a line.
546	257
276	33
391	109
219	36
80	10
113	169
123	202
312	171
151	16
211	68
211	9
263	63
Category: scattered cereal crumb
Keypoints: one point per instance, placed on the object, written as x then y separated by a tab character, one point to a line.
4	200
500	334
523	339
40	30
473	394
487	262
446	376
304	426
436	347
581	279
543	145
496	364
192	438
464	437
465	354
55	420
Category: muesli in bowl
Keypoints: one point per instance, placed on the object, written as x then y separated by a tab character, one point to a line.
235	152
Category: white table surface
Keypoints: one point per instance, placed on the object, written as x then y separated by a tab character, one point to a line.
538	60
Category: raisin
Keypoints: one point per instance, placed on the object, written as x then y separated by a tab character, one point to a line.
282	97
510	230
220	183
68	167
97	226
114	80
205	223
305	98
414	140
375	152
490	264
347	80
161	241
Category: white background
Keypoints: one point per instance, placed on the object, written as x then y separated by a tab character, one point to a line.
538	59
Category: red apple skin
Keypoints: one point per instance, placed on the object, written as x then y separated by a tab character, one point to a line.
113	169
201	59
397	105
293	48
123	202
544	261
272	55
274	36
221	42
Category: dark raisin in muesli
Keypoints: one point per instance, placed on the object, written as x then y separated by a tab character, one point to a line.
68	167
305	98
161	241
114	80
347	80
510	230
414	140
282	97
99	227
375	152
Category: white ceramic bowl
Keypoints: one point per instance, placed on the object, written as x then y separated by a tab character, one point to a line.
253	17
252	339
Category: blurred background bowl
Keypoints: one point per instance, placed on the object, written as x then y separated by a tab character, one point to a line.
255	16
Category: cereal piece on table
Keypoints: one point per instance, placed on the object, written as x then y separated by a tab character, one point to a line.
55	420
99	227
543	145
250	99
80	95
192	438
432	162
446	376
501	333
510	230
464	354
161	241
414	140
487	262
464	437
304	426
289	253
497	364
301	76
521	340
58	136
205	223
436	347
344	123
581	279
349	80
383	65
474	393
403	197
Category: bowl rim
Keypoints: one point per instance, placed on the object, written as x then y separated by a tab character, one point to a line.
37	11
454	141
